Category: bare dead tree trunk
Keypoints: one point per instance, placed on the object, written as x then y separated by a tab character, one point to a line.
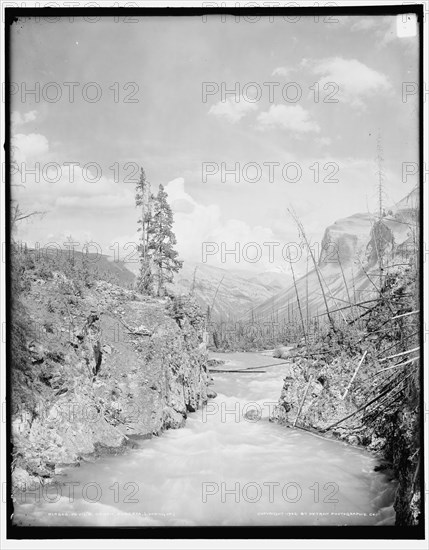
193	280
345	283
331	296
306	294
215	295
316	267
299	306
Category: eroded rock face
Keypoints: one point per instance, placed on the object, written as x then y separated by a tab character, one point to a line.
392	436
322	405
103	367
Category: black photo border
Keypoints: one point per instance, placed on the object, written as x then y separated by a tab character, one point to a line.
12	15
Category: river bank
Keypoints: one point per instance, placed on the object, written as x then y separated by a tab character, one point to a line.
98	367
229	465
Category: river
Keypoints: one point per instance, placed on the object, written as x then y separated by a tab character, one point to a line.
228	466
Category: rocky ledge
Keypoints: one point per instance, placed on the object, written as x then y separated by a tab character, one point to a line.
313	398
98	369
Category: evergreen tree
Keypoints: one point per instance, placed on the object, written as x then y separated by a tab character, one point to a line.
143	199
161	242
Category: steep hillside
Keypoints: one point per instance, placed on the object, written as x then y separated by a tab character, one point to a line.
95	365
230	295
102	266
271	280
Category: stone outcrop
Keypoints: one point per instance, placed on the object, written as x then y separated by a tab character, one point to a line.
392	436
102	367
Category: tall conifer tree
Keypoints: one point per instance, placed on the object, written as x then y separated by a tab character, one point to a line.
143	201
161	243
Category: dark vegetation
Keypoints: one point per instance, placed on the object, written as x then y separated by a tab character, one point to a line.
158	257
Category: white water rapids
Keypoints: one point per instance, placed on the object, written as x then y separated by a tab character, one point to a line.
222	469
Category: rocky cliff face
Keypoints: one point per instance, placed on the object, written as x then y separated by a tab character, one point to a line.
354	237
102	366
392	435
349	246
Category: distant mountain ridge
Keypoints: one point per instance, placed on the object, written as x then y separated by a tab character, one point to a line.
229	294
272	280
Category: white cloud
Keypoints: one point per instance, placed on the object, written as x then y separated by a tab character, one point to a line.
363	24
51	184
102	200
324	141
55	186
233	110
29	147
388	29
355	80
18	119
205	224
30	116
288	117
193	225
26	147
281	71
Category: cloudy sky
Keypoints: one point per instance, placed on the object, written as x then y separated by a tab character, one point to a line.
308	100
